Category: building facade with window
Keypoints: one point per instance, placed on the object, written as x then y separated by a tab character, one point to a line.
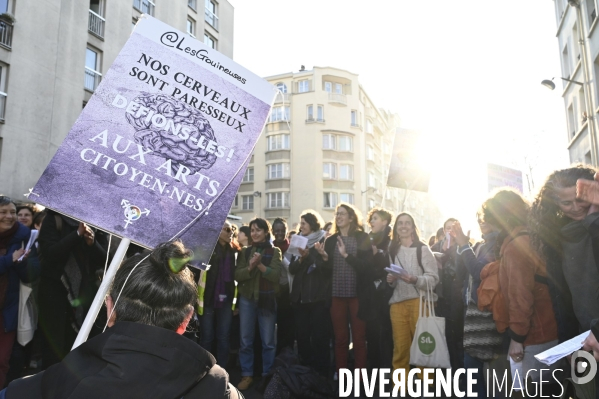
325	142
578	42
52	60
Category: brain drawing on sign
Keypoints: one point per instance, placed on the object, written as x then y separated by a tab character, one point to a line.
178	135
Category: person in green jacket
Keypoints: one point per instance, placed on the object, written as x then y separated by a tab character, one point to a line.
257	273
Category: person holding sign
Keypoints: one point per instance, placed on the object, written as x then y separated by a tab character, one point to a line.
349	254
257	272
311	296
413	256
13	237
143	354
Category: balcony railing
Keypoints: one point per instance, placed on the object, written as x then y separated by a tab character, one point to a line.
145	6
6	33
337	98
2	105
211	18
96	24
282	98
92	79
277	118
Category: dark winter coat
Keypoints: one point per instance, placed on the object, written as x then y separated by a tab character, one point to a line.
451	278
16	271
212	274
579	239
130	360
381	259
579	267
314	286
378	274
567	324
362	264
55	248
474	259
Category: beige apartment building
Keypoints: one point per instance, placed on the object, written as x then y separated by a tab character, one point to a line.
325	142
53	54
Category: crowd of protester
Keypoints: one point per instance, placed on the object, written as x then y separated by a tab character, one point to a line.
528	284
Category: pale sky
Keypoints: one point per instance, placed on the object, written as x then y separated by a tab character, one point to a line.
466	73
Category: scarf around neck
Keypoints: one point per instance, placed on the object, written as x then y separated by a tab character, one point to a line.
314	237
282	245
266	294
226	261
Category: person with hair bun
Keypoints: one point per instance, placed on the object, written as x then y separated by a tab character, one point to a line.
349	255
257	272
311	296
143	354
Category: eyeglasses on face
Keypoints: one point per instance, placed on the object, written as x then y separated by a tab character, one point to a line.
227	229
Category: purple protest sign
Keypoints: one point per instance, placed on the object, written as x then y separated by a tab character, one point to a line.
161	147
